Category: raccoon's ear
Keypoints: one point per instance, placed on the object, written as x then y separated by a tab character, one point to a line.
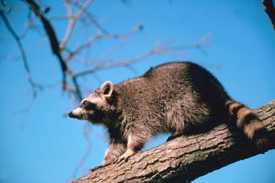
107	88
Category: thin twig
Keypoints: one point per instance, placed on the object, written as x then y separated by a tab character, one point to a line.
91	18
28	25
123	63
91	41
72	21
128	63
34	85
64	18
77	91
111	65
87	44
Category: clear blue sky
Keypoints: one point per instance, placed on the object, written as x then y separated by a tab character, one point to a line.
39	145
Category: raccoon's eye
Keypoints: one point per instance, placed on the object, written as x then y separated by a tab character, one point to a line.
88	105
84	103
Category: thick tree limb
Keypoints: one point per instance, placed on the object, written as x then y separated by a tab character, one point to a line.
186	158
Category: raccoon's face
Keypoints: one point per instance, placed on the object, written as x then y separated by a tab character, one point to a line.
96	107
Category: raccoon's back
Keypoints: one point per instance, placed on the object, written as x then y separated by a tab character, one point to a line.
165	86
180	78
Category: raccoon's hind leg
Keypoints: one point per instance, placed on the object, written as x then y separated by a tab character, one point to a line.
187	117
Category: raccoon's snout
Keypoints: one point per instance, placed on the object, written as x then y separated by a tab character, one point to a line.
76	113
71	115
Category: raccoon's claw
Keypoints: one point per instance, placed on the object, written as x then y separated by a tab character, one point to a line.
105	162
126	155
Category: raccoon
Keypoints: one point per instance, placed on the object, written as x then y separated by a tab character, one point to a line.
177	97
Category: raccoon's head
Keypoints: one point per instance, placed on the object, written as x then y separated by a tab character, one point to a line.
96	107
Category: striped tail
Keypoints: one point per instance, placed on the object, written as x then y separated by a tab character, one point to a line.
246	120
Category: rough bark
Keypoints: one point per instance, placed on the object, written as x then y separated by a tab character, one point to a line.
187	158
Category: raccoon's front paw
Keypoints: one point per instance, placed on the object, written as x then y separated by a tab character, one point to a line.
106	162
108	159
125	156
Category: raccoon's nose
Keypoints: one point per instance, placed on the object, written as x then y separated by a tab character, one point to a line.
76	113
70	114
73	115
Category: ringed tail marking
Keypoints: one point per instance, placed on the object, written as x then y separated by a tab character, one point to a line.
245	118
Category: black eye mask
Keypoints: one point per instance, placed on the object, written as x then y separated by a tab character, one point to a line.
88	105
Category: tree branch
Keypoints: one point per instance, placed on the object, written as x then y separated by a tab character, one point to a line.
91	18
187	158
270	11
52	39
72	21
125	63
34	85
93	39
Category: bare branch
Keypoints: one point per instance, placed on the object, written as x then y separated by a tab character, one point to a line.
64	18
72	21
70	26
91	18
91	41
52	39
28	25
34	85
87	44
124	63
270	11
77	90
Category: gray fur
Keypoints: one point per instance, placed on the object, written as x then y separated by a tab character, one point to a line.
177	97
